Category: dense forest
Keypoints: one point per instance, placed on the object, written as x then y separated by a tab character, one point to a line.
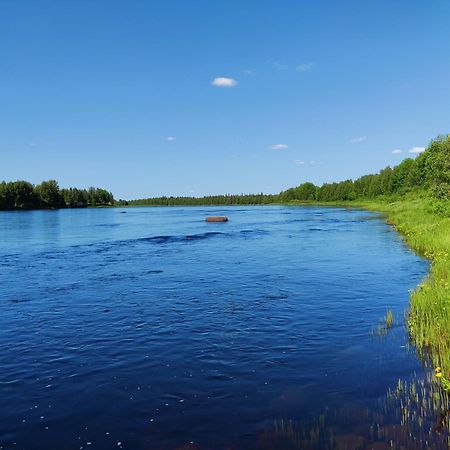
24	195
429	172
243	199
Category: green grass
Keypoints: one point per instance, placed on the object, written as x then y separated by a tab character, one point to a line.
389	319
385	324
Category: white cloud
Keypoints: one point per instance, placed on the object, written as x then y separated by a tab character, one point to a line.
358	139
304	67
170	138
279	147
301	162
397	151
279	66
224	82
416	150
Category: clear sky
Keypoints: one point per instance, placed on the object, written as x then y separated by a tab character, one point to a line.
198	97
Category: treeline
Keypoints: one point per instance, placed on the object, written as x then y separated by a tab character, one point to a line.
430	172
24	195
243	199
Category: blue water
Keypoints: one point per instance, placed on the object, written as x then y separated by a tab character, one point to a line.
147	328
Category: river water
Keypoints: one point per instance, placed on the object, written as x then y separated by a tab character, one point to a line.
147	328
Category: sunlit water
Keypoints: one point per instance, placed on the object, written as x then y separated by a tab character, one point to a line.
147	328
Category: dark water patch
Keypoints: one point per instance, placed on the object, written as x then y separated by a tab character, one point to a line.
108	225
178	239
65	288
124	275
413	414
297	220
18	300
276	296
254	232
201	236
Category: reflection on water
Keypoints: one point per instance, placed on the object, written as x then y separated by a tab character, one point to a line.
413	415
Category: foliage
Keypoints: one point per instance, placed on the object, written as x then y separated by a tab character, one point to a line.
250	199
429	172
23	195
18	194
49	195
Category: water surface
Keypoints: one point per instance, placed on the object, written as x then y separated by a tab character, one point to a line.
147	328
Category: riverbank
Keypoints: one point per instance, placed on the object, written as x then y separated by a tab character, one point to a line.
426	229
428	233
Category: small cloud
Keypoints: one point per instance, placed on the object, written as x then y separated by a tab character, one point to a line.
300	162
305	67
416	150
279	147
248	72
170	138
224	82
358	139
397	151
279	66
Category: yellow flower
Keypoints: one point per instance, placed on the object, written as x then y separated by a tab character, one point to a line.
438	372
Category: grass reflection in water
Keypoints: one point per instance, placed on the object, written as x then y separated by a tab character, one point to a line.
413	415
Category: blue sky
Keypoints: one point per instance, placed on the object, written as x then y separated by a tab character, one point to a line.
121	94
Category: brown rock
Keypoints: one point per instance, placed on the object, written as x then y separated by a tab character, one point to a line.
216	219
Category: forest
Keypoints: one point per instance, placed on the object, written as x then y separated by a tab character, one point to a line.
243	199
428	173
22	195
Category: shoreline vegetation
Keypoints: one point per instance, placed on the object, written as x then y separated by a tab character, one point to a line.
414	196
22	195
428	175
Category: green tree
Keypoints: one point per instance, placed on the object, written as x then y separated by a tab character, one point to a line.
49	195
438	167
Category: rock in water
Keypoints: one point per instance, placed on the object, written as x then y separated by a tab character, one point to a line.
216	219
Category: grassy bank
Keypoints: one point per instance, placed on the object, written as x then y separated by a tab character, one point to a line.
427	231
